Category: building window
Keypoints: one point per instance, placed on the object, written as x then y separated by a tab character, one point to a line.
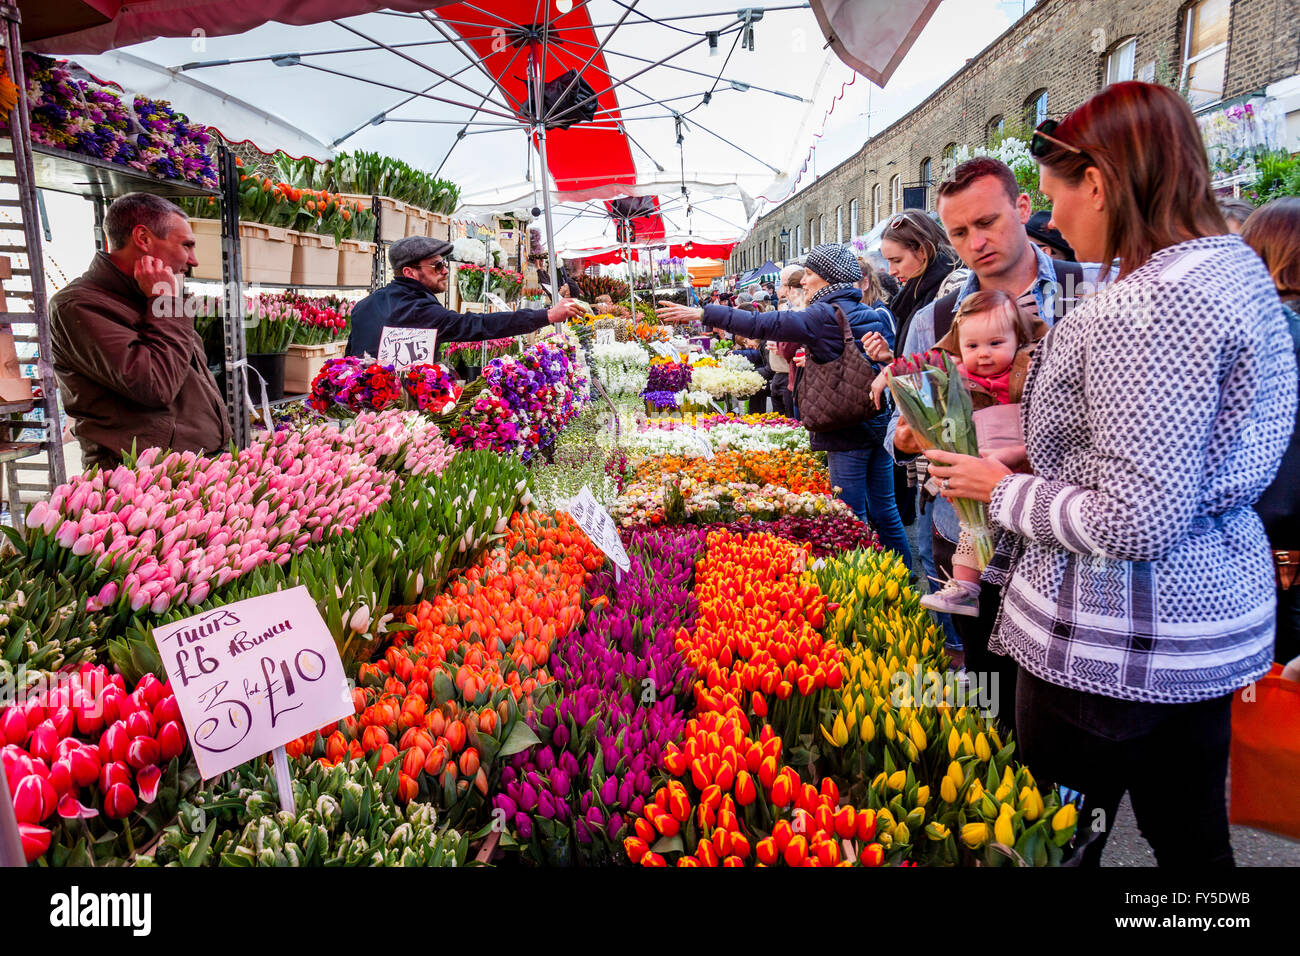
839	224
949	160
1205	52
895	194
877	205
996	129
853	218
1121	63
1036	109
812	232
798	240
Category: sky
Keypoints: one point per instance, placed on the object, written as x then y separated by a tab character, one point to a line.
958	31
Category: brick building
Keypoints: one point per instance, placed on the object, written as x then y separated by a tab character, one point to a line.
1060	53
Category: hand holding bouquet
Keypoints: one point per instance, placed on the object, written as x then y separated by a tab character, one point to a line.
932	398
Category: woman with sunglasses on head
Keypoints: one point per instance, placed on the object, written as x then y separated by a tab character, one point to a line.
420	269
920	258
1138	590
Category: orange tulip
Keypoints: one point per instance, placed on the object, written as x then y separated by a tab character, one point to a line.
766	851
746	791
796	850
873	855
866	825
635	848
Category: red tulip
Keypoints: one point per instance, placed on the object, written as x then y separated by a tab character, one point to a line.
84	764
874	855
141	724
36	840
766	851
34	799
45	741
119	801
846	822
143	752
171	741
168	710
866	825
66	746
61	776
113	743
796	850
64	721
13	726
147	779
111	774
110	704
89	715
746	791
151	688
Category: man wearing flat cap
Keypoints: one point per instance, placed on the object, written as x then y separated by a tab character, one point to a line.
410	302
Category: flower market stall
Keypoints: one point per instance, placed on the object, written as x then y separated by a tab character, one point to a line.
750	691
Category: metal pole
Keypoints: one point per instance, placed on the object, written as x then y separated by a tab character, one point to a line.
233	294
11	840
535	74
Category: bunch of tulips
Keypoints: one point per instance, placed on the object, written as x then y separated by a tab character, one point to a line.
87	748
449	700
622	687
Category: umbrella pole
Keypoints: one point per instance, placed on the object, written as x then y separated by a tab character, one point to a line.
536	72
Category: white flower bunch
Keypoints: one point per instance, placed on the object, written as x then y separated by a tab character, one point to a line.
737	363
723	382
736	436
623	353
469	250
662	441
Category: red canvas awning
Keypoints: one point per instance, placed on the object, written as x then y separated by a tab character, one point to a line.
702	250
648	228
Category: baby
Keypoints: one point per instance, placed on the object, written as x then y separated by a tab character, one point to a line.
994	339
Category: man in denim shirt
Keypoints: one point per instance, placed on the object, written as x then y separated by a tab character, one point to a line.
984	213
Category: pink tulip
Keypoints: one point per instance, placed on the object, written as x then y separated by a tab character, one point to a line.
37	514
34	799
70	808
119	801
67	534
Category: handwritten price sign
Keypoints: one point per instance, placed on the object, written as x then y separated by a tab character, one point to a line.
400	347
253	675
599	526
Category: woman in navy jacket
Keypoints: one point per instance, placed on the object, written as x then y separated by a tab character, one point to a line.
859	465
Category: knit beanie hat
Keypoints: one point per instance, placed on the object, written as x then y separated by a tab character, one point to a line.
834	263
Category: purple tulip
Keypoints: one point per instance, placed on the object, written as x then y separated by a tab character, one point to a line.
609	791
506	805
524	826
546	806
560	736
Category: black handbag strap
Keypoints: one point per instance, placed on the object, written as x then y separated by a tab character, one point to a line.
844	325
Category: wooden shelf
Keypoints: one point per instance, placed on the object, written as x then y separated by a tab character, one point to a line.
16	408
66	172
13	450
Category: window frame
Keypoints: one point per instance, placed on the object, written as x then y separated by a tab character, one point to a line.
877	202
896	194
853	218
1035	109
839	224
1189	20
1126	43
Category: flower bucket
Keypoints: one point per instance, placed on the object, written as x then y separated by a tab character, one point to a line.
207	248
265	252
392	219
356	262
315	259
303	362
439	225
270	365
417	221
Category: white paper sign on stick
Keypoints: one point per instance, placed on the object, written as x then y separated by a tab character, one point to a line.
252	676
592	518
604	336
498	302
706	446
663	348
400	347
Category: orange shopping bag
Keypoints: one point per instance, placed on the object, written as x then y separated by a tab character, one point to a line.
1265	762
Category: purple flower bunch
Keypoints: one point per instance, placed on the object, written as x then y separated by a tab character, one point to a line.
535	394
661	399
624	693
668	377
70	110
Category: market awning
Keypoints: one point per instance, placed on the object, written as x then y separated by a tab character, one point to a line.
701	250
873	36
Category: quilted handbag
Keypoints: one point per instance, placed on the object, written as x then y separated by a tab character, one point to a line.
837	394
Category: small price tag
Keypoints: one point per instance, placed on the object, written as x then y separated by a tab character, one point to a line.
401	347
253	675
663	348
706	446
498	302
592	518
604	336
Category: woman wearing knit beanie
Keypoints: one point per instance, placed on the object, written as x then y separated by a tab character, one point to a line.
859	465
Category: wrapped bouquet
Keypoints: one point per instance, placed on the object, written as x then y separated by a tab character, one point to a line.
931	396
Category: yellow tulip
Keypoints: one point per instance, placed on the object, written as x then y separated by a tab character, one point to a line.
982	747
902	834
1031	803
954	741
967	746
956	774
922	795
1064	818
918	735
897	780
947	791
1003	829
1001	793
975	835
889	727
839	733
891	591
868	730
936	830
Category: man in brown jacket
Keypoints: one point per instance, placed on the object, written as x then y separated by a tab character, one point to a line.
130	364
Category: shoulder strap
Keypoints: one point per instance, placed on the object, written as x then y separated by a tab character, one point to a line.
1068	277
844	324
944	309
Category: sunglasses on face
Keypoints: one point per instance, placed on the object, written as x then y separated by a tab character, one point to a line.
1041	142
437	265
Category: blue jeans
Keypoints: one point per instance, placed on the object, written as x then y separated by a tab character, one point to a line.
925	546
865	477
